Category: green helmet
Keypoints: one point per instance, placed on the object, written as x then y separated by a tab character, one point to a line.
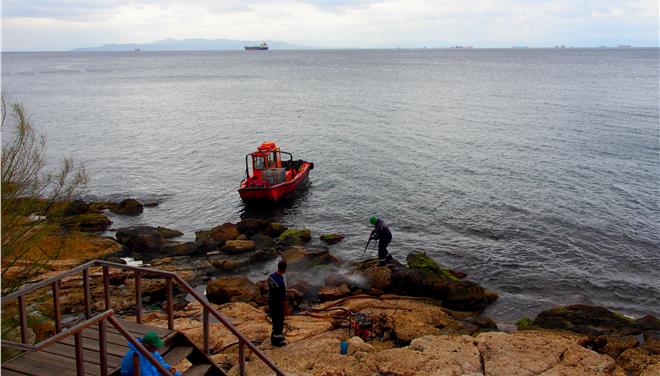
373	220
151	338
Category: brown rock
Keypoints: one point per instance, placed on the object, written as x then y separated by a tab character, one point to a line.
294	254
129	206
333	293
238	246
168	233
379	277
614	345
140	238
637	360
231	289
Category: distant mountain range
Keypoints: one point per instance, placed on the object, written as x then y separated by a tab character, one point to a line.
198	44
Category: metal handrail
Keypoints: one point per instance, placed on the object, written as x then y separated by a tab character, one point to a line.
76	330
139	271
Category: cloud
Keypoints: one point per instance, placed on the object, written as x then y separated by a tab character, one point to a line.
67	24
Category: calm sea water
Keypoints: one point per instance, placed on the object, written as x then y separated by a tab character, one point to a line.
535	171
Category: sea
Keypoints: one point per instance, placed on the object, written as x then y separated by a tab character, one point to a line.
535	171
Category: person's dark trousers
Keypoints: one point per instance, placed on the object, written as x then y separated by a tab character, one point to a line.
277	315
382	248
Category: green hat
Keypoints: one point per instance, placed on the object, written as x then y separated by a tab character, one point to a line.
373	220
151	338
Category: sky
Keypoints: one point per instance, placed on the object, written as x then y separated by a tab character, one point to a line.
56	25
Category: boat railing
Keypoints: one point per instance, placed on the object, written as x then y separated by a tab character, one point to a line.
108	315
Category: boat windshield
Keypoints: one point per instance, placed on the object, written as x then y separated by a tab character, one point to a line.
258	163
272	159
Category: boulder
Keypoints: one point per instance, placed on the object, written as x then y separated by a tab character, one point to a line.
294	254
419	260
238	246
379	277
295	237
76	207
129	206
231	289
140	238
88	222
331	238
333	293
168	233
219	234
253	226
275	229
262	241
178	249
591	320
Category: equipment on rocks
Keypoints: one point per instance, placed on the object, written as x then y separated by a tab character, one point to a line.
361	325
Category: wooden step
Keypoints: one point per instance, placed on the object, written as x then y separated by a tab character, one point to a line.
177	354
197	370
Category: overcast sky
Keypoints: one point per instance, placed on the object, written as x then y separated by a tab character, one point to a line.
65	24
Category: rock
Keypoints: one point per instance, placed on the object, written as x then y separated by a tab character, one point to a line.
295	237
638	360
294	299
168	233
294	254
238	246
419	260
129	206
253	226
242	237
76	207
89	222
585	319
614	345
275	229
652	370
539	352
331	238
333	293
140	238
379	277
307	289
150	204
262	241
219	234
178	249
231	289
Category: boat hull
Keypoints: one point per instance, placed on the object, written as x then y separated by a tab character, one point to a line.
276	192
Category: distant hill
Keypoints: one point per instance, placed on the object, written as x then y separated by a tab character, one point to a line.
172	44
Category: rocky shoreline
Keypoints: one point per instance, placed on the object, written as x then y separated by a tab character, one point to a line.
424	319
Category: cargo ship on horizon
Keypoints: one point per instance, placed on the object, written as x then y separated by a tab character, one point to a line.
262	47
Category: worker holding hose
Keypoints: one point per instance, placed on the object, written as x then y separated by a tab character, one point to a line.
381	233
276	302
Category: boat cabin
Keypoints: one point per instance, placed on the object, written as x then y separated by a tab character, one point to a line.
267	166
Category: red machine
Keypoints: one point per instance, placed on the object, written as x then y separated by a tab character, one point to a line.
271	178
361	326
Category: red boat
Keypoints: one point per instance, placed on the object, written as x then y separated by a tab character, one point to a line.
271	179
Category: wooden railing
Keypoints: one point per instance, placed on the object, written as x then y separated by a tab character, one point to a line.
207	311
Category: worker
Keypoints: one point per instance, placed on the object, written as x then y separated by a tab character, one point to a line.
152	342
381	233
276	302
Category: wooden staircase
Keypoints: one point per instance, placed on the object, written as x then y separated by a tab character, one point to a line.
97	345
58	359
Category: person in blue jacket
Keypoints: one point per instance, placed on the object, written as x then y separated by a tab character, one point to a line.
276	302
152	342
383	234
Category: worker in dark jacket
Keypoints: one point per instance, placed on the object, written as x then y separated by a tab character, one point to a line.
381	233
276	301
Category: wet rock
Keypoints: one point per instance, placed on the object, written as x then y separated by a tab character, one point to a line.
307	289
294	299
614	345
379	277
238	246
275	229
129	206
76	207
591	320
253	226
294	254
262	241
219	234
419	260
140	238
178	249
295	237
89	222
168	233
333	293
331	238
231	289
242	237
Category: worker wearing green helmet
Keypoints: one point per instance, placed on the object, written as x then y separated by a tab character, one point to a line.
383	234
